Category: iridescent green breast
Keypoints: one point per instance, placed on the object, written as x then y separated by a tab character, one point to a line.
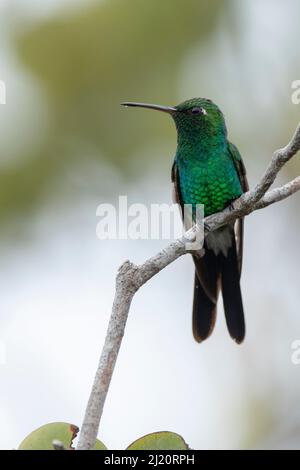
211	181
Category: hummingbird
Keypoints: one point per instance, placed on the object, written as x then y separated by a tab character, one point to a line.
208	169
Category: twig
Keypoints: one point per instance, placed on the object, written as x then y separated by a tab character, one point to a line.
131	277
278	194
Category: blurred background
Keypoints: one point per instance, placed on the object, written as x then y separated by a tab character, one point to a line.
66	146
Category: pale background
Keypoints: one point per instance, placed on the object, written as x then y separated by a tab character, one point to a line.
66	146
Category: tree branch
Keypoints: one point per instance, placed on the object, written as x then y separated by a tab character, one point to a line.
131	277
278	194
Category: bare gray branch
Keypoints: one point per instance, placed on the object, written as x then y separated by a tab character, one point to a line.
131	277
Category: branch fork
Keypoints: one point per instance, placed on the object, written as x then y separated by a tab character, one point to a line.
131	277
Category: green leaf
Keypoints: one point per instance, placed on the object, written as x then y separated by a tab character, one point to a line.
99	445
43	437
159	441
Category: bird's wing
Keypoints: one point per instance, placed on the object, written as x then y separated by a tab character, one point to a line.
239	226
176	188
239	164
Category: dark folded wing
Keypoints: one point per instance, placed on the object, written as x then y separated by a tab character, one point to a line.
239	225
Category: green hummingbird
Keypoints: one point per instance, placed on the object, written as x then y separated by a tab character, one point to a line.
208	170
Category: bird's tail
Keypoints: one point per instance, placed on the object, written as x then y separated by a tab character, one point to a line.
214	271
231	293
206	290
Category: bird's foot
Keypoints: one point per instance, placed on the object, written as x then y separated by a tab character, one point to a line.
206	227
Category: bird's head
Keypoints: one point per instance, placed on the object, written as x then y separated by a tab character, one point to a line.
193	118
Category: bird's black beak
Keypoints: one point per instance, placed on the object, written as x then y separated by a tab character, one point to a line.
164	109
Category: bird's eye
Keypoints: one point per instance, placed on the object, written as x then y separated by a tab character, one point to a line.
197	110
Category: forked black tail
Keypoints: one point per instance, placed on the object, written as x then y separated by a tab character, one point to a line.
213	271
